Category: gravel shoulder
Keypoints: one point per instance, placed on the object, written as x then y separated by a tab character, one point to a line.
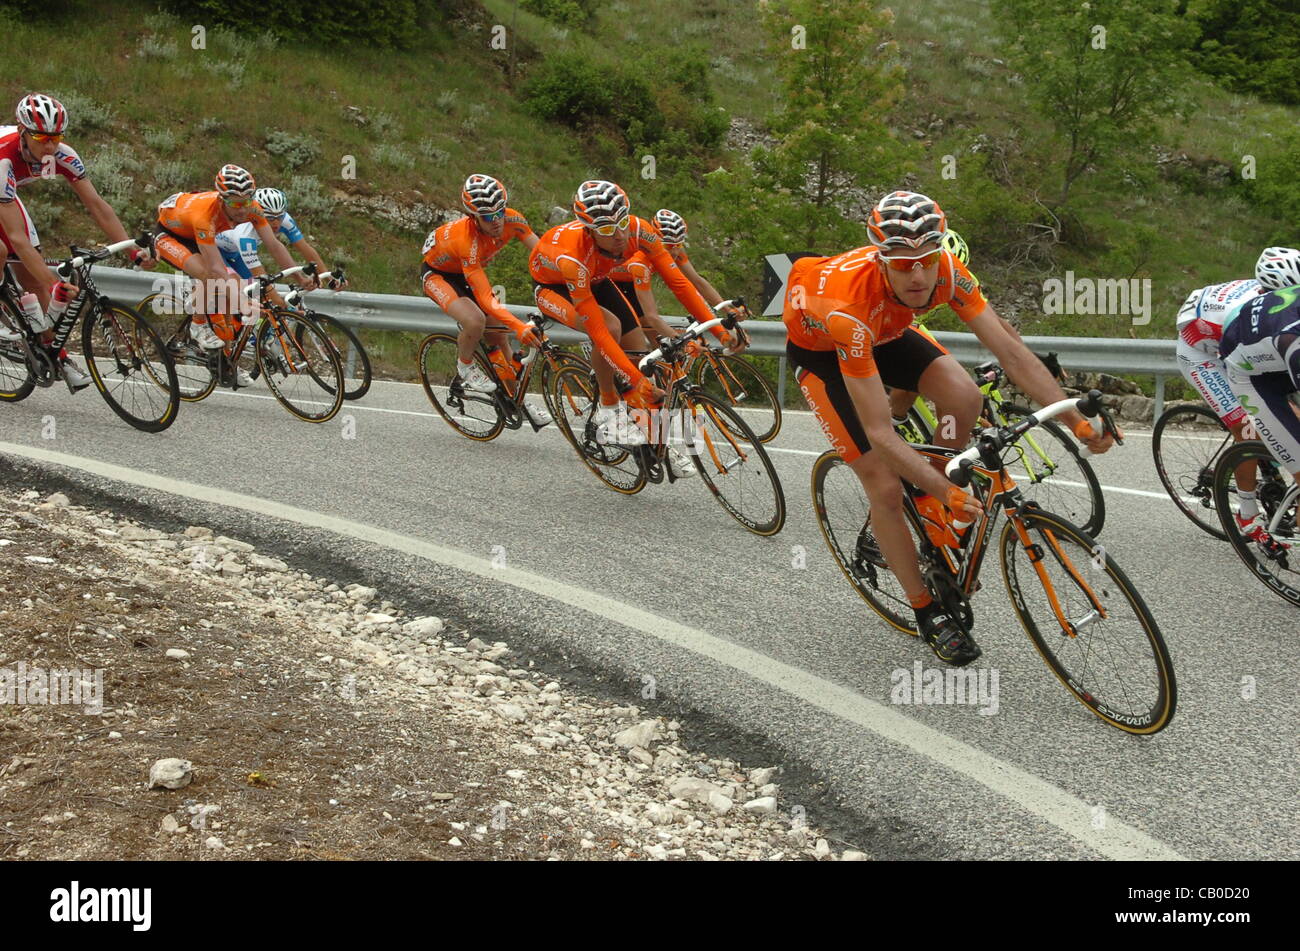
305	720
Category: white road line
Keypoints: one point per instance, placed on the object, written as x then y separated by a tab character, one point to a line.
1068	813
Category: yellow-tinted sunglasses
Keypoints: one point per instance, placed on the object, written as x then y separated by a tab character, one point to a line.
46	136
927	260
605	230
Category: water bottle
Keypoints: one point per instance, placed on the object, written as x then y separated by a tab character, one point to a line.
59	300
33	314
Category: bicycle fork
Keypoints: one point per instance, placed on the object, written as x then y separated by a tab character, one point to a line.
1036	556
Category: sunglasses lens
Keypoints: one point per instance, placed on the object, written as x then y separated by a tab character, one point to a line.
906	264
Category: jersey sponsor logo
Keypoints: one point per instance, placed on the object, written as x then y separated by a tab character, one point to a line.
73	163
966	285
201	234
812	324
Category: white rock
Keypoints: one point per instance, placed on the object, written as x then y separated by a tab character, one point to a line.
376	618
231	569
641	756
641	735
212	842
763	806
656	852
134	533
169	824
853	856
693	789
822	849
719	803
660	813
198	531
267	564
454	842
171	773
231	544
175	653
55	501
361	594
512	712
762	776
423	627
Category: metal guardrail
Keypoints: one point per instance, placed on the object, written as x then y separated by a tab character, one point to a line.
1117	355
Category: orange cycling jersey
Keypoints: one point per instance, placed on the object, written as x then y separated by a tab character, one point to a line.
460	247
199	216
637	268
567	254
844	303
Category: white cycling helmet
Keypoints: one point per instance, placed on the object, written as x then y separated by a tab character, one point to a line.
272	201
41	113
671	225
483	195
906	220
1278	267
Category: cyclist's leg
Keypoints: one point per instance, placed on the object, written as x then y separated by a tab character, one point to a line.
916	362
1267	398
822	385
21	274
620	299
1208	376
459	304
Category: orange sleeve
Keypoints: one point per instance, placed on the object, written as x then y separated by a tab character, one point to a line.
639	268
579	284
477	279
967	299
682	288
853	344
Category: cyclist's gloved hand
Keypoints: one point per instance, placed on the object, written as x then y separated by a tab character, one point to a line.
694	348
646	393
528	335
141	257
964	506
1088	435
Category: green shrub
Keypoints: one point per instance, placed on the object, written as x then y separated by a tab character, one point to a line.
307	198
1274	189
292	149
1251	46
380	23
83	112
565	12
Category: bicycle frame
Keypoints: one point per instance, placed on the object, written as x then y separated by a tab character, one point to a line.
88	296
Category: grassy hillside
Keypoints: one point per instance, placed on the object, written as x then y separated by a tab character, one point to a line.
151	116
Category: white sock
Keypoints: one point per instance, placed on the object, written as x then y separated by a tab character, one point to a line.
1249	507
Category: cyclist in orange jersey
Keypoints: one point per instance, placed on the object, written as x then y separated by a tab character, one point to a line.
849	320
633	278
452	276
185	236
570	268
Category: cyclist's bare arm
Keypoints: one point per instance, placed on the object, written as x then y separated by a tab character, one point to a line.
307	252
529	241
271	293
11	218
872	405
278	251
707	290
1026	370
105	216
651	316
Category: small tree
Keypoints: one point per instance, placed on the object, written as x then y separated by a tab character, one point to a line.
840	79
1100	71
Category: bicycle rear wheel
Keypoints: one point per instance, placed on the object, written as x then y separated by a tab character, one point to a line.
1278	566
168	315
1103	645
575	397
474	415
1050	470
844	516
300	367
1186	465
736	383
734	465
130	365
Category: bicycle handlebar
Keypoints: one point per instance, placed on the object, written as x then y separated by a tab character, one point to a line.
294	297
81	256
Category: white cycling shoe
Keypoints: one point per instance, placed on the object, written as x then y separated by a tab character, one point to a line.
205	337
683	465
474	379
538	414
74	376
615	427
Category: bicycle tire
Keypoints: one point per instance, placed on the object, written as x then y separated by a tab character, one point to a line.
576	398
1202	512
1052	493
706	464
134	348
546	377
194	375
437	358
1273	488
711	374
13	364
1107	580
332	326
287	357
847	533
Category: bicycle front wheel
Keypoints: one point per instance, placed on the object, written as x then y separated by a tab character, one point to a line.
1277	563
167	314
575	400
130	365
1089	624
733	464
736	383
300	367
16	380
1185	463
350	351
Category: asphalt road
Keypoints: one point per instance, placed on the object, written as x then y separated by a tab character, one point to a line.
671	605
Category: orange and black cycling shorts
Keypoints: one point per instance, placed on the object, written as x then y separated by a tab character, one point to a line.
444	287
556	302
171	247
901	363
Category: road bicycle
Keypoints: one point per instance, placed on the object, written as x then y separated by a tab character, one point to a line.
720	446
342	339
284	348
1276	565
1089	624
1054	467
126	358
484	416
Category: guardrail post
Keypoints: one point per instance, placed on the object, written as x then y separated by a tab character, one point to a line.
780	381
1160	397
351	370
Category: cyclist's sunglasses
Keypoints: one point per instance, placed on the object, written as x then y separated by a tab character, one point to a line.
239	203
46	136
492	215
927	260
606	229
